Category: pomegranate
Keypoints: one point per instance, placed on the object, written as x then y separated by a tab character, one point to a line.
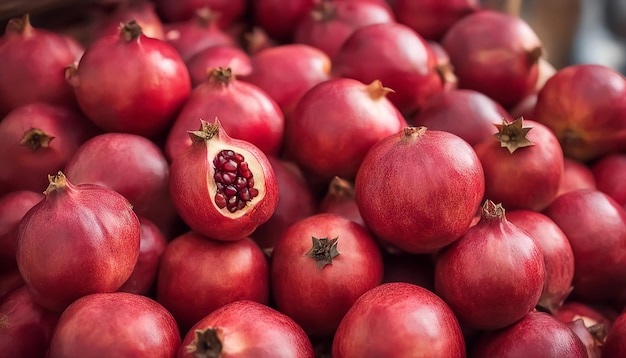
336	123
444	66
194	35
121	79
245	111
615	345
339	199
319	267
451	186
598	319
576	175
287	72
433	18
480	296
399	320
279	18
151	247
592	345
467	113
246	329
595	225
235	177
35	140
239	272
80	239
396	55
584	106
9	281
609	173
536	335
142	11
523	165
557	255
31	66
25	327
227	10
13	207
117	324
133	166
494	53
295	202
203	62
257	40
330	23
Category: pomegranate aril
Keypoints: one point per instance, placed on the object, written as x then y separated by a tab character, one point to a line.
230	166
220	200
233	179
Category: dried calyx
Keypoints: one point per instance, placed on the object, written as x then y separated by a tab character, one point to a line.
35	139
323	251
207	343
513	135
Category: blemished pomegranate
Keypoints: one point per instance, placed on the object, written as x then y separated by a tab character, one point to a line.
222	187
538	334
496	54
523	165
335	124
80	239
480	296
26	78
117	324
584	106
320	260
397	320
238	271
595	226
451	185
245	111
130	82
246	329
13	207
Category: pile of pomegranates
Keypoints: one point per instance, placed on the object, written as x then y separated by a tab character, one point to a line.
308	178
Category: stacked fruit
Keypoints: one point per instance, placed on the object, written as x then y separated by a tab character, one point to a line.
300	178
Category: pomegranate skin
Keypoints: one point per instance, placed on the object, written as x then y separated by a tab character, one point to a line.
396	55
79	240
25	327
451	183
595	225
117	324
609	173
228	10
119	83
536	335
585	106
576	175
433	18
13	207
481	296
615	344
143	12
201	64
399	320
279	18
31	66
496	54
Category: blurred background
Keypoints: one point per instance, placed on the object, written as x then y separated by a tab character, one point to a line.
573	31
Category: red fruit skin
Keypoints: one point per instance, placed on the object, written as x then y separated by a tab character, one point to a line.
467	113
530	177
25	327
9	281
143	12
576	175
13	207
341	202
79	240
609	173
451	183
192	36
245	111
31	67
239	272
615	344
585	106
201	64
252	330
595	225
26	169
120	84
557	255
117	324
298	283
287	72
396	55
536	335
336	123
329	25
494	53
590	315
483	297
132	165
399	320
151	247
279	18
433	18
228	10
